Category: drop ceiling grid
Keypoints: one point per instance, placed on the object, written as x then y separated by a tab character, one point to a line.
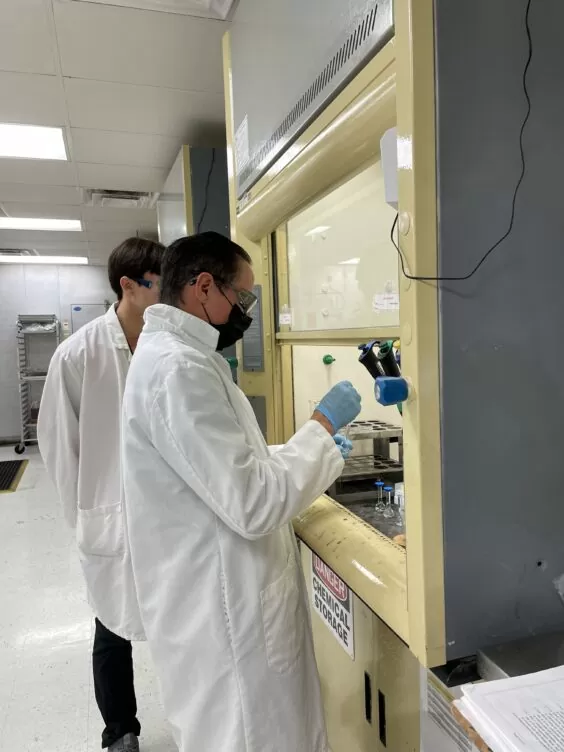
129	86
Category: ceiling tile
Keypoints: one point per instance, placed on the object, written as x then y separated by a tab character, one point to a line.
113	147
67	239
143	109
126	45
33	100
42	194
25	37
116	177
123	216
56	211
99	230
43	242
108	240
37	171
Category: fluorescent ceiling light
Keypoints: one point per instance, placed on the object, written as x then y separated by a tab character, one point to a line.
350	261
40	223
13	259
31	142
317	231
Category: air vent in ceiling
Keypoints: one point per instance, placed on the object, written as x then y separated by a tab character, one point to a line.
119	199
217	9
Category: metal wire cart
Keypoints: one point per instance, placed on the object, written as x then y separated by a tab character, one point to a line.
38	337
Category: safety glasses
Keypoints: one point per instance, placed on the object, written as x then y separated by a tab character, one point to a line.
246	300
148	283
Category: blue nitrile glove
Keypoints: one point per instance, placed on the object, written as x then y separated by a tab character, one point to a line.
343	444
341	405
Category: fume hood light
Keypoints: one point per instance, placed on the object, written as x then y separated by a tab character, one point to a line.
40	223
216	9
321	230
14	259
31	142
350	261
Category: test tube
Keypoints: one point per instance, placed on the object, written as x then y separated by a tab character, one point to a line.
379	485
389	510
400	502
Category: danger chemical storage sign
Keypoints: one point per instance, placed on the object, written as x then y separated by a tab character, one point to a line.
332	600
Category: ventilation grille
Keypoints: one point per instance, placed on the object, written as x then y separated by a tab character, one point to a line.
110	199
334	76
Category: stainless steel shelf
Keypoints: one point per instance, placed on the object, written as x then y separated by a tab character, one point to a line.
30	372
24	379
23	333
369	466
373	429
33	318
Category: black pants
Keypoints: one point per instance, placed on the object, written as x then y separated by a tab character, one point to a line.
113	684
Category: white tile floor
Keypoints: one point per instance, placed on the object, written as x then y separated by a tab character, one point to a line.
46	695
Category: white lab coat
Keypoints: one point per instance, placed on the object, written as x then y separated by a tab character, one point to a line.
209	510
79	440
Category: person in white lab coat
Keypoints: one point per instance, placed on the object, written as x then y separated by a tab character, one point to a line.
209	508
79	440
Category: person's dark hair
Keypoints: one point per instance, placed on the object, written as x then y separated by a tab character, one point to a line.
187	257
133	258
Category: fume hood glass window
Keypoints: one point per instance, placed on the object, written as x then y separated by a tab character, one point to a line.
371	485
342	266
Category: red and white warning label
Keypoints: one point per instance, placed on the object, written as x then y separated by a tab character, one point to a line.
332	600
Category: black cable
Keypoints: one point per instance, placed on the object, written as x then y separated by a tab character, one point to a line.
207	192
509	230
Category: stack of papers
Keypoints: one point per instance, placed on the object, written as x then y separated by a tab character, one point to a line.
521	714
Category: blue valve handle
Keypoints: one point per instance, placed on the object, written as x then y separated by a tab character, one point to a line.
391	390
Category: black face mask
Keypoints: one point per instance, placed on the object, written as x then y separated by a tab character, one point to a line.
233	329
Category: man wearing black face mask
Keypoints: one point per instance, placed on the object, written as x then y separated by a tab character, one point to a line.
208	512
239	319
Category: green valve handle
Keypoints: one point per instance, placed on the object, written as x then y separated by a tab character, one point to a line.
233	361
328	359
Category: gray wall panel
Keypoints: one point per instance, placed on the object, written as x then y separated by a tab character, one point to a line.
501	396
212	163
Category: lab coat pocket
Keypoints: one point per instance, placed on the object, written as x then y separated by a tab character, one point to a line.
283	621
100	531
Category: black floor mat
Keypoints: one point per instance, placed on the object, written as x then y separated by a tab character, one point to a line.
11	472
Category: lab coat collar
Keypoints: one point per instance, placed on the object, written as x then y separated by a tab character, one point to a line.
171	319
117	335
